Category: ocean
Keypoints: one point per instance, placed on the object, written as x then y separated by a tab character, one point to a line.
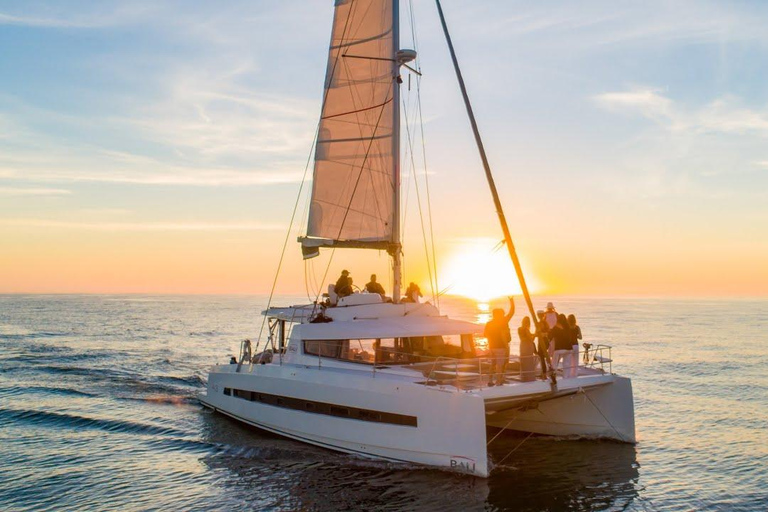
98	412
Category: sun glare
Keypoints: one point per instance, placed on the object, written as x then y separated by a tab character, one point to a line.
476	271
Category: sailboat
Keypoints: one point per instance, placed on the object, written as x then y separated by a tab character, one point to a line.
390	379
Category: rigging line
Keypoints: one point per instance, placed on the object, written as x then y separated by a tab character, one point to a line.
407	190
285	242
601	414
515	449
426	180
418	201
303	181
404	217
505	427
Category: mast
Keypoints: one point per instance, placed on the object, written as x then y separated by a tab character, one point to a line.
396	250
488	175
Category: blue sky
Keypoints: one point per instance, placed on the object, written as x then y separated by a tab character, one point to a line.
636	131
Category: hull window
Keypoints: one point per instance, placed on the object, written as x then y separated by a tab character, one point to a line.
328	409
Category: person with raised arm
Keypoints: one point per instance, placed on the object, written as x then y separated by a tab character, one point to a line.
498	336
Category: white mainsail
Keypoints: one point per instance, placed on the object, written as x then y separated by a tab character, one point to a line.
354	186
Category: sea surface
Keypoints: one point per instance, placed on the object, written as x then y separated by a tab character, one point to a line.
98	412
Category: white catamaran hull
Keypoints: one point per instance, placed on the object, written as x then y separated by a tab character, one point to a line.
603	411
379	419
386	417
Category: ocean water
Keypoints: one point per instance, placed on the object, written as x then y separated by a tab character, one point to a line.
98	412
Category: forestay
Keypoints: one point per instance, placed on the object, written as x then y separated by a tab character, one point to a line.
354	184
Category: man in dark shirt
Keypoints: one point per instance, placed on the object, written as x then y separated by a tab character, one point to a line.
375	287
498	336
344	284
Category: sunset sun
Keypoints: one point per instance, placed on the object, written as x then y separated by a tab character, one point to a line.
478	269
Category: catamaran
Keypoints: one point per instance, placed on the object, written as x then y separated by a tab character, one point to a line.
390	379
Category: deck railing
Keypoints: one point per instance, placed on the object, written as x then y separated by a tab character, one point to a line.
462	372
459	371
598	357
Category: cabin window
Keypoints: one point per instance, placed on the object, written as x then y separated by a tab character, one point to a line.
394	350
454	345
325	348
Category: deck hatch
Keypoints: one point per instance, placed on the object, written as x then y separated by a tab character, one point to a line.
328	409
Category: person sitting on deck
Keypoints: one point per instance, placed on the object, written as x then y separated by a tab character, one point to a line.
498	336
375	287
344	284
412	293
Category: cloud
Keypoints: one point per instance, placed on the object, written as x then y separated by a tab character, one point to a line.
722	115
103	14
6	19
646	102
607	24
203	132
139	226
170	176
12	191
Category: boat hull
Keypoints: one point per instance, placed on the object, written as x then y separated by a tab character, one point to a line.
605	411
420	424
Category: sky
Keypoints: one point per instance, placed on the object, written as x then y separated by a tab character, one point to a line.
159	146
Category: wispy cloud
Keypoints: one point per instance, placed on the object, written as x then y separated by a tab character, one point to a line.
604	23
168	176
644	101
104	14
139	226
722	115
13	191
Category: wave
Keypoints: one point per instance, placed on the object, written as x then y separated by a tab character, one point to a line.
7	330
18	390
70	421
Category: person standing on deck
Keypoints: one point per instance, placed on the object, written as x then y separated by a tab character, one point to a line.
527	351
498	336
561	335
344	284
542	333
550	316
576	338
375	287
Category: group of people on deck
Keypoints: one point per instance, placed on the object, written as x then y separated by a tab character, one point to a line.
558	341
344	288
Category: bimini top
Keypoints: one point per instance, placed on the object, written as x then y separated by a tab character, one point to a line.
393	327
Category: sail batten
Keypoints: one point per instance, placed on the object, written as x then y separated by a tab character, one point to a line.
353	190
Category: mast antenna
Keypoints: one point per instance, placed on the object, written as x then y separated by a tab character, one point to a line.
488	174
